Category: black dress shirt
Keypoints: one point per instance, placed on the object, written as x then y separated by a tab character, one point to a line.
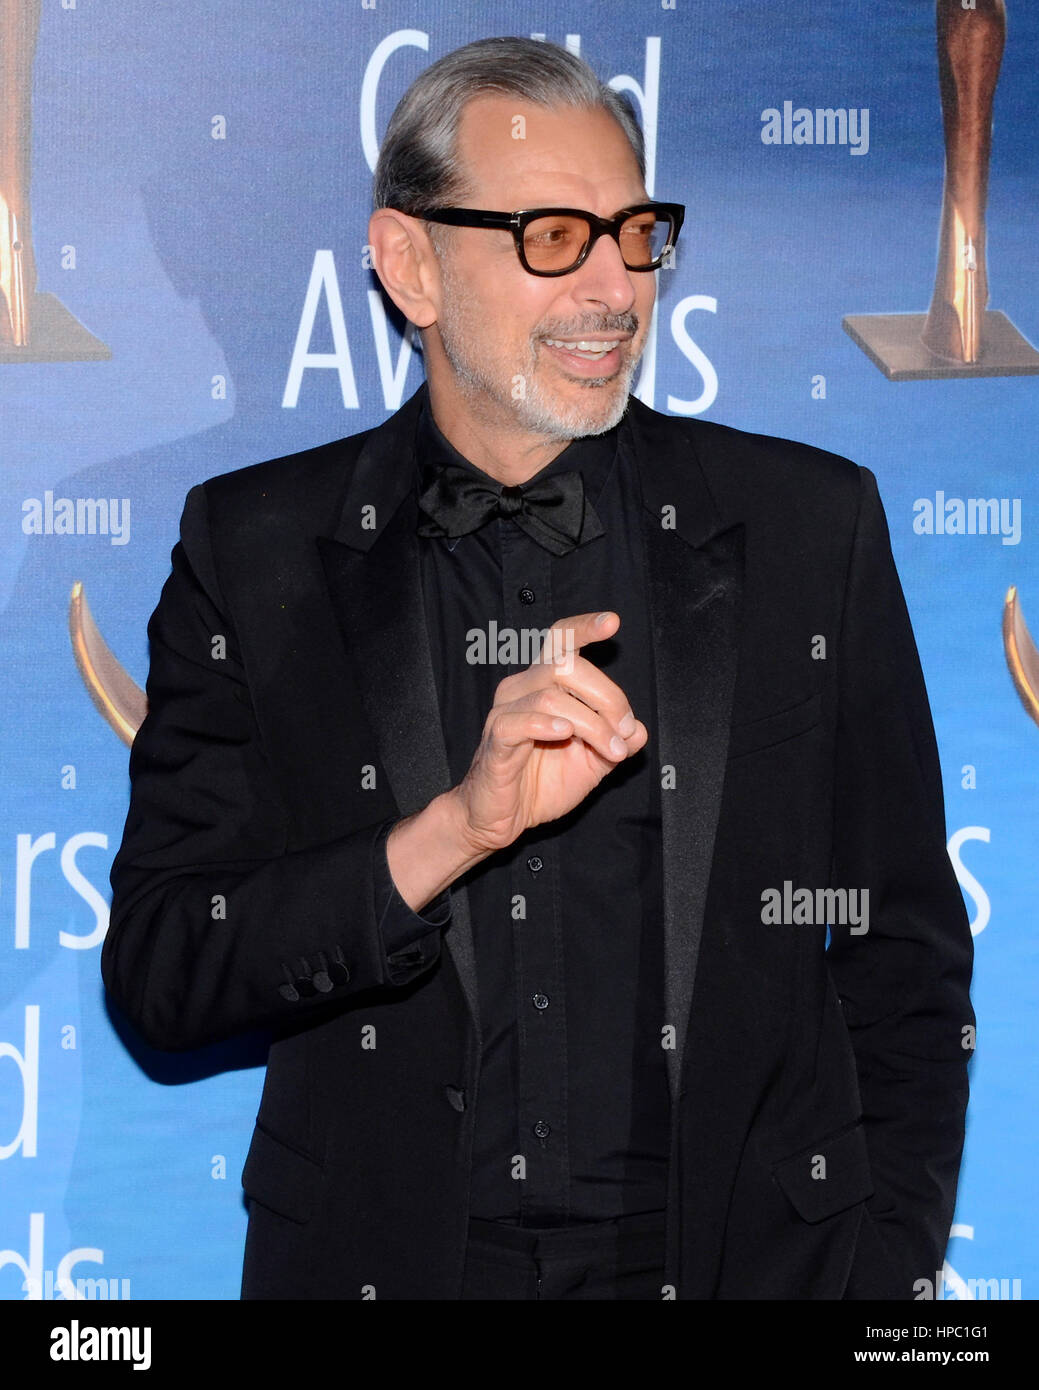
573	1112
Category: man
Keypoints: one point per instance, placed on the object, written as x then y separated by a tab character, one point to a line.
540	1028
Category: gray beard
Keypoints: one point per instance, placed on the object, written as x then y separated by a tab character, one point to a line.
534	413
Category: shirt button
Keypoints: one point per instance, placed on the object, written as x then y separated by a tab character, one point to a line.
540	1001
527	595
455	1097
542	1129
535	864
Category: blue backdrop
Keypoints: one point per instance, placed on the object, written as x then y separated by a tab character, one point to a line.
197	167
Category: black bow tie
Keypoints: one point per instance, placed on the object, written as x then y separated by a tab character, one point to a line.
553	511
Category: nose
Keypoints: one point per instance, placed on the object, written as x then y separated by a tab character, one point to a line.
604	278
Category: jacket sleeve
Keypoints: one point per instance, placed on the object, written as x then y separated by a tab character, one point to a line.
406	935
904	983
216	927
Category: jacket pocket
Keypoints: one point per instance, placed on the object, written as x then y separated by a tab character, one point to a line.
775	728
827	1177
280	1177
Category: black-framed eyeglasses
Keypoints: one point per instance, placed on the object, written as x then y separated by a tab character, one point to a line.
555	241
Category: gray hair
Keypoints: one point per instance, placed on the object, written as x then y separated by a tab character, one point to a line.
418	163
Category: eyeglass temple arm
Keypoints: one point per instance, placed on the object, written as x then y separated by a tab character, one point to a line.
470	217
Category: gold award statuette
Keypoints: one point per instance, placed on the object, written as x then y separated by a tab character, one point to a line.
1022	657
959	335
116	695
34	327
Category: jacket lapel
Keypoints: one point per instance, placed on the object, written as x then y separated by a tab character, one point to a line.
371	565
695	580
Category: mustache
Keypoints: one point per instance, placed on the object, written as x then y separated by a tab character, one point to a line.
587	327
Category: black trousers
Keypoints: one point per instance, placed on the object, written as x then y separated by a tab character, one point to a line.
621	1259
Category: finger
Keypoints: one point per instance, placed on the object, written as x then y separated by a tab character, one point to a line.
510	729
560	660
573	633
638	738
588	725
559	647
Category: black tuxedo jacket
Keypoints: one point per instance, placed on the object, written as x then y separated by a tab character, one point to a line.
818	1095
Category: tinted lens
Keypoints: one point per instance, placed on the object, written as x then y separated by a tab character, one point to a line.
554	243
643	238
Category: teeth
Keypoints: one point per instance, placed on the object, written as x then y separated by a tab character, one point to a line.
589	346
